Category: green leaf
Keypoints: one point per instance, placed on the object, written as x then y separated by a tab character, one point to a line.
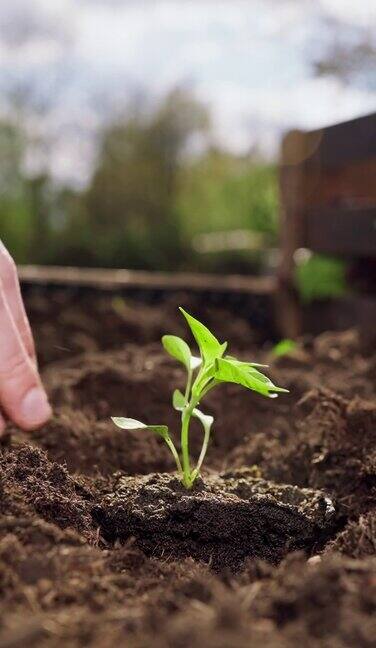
241	362
284	347
321	277
249	367
178	400
133	424
233	372
203	378
178	349
208	344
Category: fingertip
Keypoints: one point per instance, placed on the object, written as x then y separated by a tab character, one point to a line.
35	409
3	426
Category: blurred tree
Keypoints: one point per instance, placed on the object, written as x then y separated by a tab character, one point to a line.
350	54
72	241
15	217
131	200
40	201
150	198
24	202
222	193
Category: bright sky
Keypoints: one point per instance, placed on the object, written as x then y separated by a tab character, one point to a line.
249	60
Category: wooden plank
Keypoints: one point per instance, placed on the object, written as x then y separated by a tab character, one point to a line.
346	142
351	185
291	184
328	204
105	279
251	298
345	232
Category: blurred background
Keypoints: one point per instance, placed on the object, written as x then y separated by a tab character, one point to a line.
145	134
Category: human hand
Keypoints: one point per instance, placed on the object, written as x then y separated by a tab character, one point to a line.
22	397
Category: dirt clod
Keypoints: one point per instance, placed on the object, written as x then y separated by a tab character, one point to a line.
221	521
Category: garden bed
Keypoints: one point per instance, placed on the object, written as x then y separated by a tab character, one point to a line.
98	543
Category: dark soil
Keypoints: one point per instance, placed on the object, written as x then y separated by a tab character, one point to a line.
221	521
72	574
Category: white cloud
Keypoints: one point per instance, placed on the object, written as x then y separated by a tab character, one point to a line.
23	21
354	12
250	116
246	58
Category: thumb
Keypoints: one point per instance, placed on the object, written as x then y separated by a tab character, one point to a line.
22	395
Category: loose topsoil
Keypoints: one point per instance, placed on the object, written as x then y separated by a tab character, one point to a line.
275	547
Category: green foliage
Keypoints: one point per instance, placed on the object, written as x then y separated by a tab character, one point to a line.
133	424
241	373
222	193
148	200
208	344
15	217
203	374
28	206
180	350
284	347
321	277
131	200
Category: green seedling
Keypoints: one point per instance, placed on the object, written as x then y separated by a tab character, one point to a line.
212	368
284	347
